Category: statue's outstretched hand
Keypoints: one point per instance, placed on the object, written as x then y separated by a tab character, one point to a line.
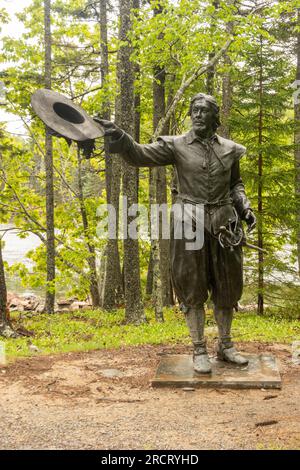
250	219
110	128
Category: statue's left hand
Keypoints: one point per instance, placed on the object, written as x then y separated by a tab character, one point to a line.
250	219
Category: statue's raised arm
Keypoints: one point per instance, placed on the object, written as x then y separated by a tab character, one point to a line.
159	153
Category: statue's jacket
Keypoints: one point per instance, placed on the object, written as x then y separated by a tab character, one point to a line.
208	172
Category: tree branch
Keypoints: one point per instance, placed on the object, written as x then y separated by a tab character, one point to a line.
185	85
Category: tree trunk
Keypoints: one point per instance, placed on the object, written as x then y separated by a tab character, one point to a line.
156	256
260	298
50	290
164	245
297	142
105	112
137	101
3	292
149	283
226	103
113	281
159	262
94	290
6	329
210	76
158	195
134	311
224	130
113	286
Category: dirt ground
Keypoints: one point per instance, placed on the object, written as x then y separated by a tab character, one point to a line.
70	401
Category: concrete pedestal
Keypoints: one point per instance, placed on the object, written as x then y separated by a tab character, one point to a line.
177	370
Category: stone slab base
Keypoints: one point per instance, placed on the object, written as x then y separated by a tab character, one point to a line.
176	370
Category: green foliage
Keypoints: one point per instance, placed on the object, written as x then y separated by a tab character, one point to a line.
88	330
262	91
179	40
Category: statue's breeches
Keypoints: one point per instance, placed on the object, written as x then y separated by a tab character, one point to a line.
196	273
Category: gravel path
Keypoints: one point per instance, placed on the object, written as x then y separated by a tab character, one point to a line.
103	400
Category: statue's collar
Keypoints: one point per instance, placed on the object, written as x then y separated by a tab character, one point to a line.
192	137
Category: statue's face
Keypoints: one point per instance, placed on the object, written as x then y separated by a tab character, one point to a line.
202	116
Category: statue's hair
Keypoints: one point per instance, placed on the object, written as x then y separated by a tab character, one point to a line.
211	100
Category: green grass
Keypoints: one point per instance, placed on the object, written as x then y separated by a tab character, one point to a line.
89	330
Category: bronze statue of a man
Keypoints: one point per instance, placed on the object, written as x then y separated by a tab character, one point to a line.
208	173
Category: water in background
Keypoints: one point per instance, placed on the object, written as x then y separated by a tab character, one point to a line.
14	251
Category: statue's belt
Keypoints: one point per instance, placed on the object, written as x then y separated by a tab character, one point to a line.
218	213
220	202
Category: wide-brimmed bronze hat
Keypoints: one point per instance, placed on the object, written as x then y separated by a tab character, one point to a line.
65	117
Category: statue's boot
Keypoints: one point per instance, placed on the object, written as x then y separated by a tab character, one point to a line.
226	350
201	360
195	319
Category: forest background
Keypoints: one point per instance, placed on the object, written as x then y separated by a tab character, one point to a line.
139	63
